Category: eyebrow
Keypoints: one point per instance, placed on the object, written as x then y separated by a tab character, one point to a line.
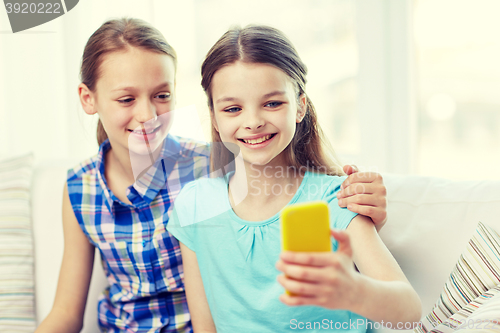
130	88
232	99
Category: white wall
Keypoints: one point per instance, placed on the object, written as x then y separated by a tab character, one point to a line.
39	68
40	112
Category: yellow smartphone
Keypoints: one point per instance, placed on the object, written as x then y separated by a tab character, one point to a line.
305	227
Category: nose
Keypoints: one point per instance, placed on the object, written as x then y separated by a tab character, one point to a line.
253	120
145	111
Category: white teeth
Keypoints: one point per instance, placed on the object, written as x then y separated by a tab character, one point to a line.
258	140
141	132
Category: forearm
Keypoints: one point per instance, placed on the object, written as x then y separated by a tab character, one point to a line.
60	321
204	330
401	303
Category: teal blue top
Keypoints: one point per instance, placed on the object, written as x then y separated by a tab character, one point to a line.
237	259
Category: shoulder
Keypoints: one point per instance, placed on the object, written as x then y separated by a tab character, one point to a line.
327	188
323	183
84	169
199	200
193	148
203	188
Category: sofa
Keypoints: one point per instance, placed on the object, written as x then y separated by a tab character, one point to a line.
430	222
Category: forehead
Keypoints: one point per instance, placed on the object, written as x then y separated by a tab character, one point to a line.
136	66
249	79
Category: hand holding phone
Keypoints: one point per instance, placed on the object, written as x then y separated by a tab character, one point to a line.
305	227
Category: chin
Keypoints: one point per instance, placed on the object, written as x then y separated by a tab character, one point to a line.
142	149
257	163
139	145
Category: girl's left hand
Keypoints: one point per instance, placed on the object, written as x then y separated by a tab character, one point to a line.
323	279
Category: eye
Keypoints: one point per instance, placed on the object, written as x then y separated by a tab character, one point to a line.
274	104
126	100
163	96
232	109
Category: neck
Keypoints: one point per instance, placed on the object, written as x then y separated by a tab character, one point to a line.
141	163
129	165
257	183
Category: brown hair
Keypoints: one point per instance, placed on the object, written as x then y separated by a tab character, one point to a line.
119	35
266	45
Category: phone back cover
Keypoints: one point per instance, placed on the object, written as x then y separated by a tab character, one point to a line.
305	227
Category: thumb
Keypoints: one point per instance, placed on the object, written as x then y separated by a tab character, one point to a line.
350	169
344	242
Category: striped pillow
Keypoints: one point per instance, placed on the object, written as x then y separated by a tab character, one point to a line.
16	246
481	314
486	319
476	272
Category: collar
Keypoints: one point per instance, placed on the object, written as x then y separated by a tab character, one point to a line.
155	178
152	181
108	195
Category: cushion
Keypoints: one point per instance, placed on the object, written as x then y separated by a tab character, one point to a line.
16	246
481	313
486	319
476	272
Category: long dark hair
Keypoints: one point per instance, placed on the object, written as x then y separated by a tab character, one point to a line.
118	35
267	45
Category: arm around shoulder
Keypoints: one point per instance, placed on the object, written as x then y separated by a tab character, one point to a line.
74	278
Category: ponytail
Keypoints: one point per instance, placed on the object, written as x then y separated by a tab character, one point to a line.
101	133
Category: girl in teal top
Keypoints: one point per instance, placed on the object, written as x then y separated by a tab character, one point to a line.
228	226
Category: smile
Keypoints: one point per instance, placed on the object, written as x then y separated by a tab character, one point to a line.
258	140
149	131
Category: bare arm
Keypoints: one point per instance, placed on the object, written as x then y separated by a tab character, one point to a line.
380	291
195	293
382	278
74	278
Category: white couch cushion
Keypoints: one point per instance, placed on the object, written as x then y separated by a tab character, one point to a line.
477	270
430	220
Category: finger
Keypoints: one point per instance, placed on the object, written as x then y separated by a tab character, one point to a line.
318	259
297	300
350	169
364	199
362	177
299	288
344	242
303	273
377	214
357	188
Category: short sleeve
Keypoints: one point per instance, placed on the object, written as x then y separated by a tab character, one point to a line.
339	217
180	224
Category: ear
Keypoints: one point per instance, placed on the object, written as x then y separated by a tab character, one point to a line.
87	98
214	122
301	108
174	94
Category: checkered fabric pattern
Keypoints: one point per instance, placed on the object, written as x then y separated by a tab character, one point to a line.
142	261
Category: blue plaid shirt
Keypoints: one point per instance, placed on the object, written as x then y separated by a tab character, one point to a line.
142	261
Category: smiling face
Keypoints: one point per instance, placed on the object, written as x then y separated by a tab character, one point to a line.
255	107
133	95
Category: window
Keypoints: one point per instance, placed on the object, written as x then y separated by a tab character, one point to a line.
458	71
323	31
